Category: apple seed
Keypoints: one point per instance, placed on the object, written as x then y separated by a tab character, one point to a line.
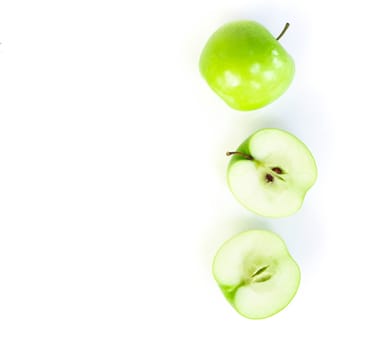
269	178
277	170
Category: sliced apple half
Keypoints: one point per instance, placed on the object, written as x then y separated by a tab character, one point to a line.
271	172
256	273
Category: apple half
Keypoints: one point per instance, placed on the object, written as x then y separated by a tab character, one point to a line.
256	273
271	172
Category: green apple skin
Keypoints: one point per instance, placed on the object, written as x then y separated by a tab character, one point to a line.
245	65
272	148
264	295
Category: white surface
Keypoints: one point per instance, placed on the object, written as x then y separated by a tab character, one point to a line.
112	176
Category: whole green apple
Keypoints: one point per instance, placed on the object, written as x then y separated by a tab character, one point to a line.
245	65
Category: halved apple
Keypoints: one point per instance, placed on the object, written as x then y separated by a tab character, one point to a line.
256	273
271	172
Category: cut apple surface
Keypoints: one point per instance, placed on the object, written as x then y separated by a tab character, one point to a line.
256	273
271	172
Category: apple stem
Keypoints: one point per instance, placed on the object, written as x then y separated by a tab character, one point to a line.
283	31
244	155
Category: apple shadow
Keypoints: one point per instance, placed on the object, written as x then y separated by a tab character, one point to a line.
302	113
304	236
300	110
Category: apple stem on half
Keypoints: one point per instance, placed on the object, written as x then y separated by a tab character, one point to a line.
244	155
283	31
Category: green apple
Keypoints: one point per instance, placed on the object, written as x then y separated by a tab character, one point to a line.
256	273
271	172
245	65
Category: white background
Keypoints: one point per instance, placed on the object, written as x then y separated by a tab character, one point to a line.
113	197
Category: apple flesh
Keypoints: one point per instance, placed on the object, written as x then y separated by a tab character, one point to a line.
271	172
245	65
256	273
